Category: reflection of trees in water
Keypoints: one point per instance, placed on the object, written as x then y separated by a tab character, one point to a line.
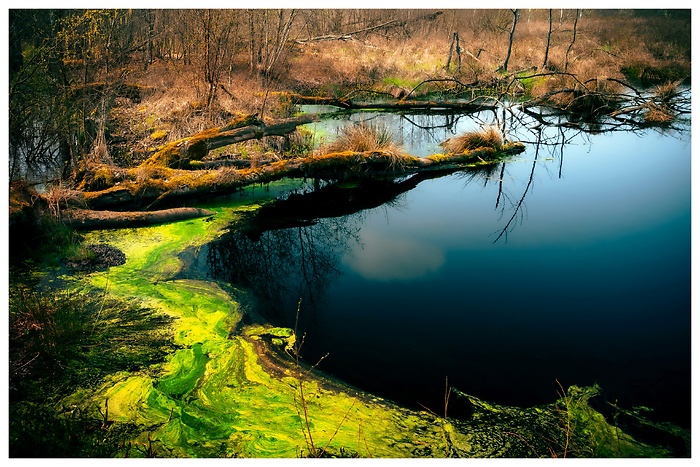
295	248
548	135
291	249
285	265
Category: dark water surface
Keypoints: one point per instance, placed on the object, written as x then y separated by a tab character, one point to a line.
569	264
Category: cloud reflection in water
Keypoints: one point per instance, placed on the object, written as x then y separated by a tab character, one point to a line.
383	258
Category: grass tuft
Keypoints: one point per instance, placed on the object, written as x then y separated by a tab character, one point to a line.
657	115
666	92
364	137
487	137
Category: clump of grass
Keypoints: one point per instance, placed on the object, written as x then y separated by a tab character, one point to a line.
666	92
657	115
53	334
364	137
227	175
487	137
61	340
300	142
658	111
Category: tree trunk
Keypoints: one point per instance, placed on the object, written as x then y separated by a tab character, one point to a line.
510	42
179	184
471	105
549	39
573	39
179	154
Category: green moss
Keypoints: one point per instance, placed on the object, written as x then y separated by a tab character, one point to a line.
158	135
401	82
215	391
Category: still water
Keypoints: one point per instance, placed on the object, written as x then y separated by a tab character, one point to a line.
569	264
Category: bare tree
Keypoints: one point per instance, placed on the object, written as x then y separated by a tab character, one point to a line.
549	39
573	39
284	26
217	27
510	42
454	46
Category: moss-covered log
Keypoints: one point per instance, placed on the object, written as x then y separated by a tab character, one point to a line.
149	186
472	105
179	154
88	220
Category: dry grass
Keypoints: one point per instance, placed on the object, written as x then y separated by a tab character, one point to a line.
59	197
227	176
487	137
657	115
666	92
364	137
611	46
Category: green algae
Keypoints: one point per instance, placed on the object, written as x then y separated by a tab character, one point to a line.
214	396
223	393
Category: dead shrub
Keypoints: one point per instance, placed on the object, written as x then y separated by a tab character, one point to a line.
59	197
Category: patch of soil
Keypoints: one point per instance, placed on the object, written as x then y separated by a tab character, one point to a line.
104	256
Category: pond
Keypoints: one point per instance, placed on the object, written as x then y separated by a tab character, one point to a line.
568	264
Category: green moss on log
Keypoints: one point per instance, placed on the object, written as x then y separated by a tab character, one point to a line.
150	183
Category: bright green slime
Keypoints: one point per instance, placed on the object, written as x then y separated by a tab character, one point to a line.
215	397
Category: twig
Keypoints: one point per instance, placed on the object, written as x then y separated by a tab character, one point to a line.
337	428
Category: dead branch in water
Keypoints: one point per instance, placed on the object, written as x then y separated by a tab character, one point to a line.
471	105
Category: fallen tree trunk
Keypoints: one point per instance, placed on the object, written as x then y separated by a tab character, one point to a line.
169	185
179	154
472	105
349	35
86	219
